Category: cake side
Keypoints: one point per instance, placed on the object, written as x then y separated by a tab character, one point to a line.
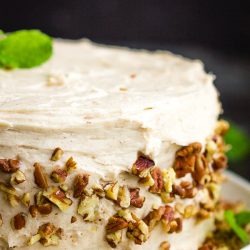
102	106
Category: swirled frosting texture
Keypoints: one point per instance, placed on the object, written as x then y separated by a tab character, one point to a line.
102	105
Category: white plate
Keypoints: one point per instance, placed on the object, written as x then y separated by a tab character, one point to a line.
236	189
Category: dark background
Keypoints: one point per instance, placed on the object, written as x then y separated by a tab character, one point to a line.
217	32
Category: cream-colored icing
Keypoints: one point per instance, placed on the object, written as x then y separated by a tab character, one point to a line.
103	105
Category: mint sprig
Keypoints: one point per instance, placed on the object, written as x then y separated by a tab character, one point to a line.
238	230
25	49
243	218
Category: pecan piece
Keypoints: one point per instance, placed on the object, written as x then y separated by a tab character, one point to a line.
58	197
18	221
44	208
70	165
200	169
57	154
80	182
135	199
124	197
112	191
154	217
138	230
1	220
17	178
88	207
73	219
26	199
9	165
165	245
33	211
158	181
114	239
116	223
59	175
191	149
184	165
141	164
219	162
40	176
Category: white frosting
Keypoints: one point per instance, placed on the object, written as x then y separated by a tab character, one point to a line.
102	105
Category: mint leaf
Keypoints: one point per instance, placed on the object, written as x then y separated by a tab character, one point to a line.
243	218
240	232
25	49
240	142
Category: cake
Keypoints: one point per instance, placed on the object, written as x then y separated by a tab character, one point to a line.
106	147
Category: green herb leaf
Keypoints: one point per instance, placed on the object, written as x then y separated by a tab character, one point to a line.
240	232
240	142
25	49
243	218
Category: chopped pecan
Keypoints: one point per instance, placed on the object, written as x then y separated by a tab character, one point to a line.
184	165
7	189
80	182
57	154
39	198
158	180
112	191
165	245
114	239
58	197
33	239
141	164
9	165
13	200
98	190
154	217
124	197
88	207
115	224
219	162
168	179
59	175
146	178
222	127
175	226
40	176
44	208
73	219
33	211
47	230
138	230
17	178
70	165
1	220
185	191
200	169
191	149
135	199
18	221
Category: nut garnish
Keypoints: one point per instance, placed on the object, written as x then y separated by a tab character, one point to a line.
169	177
135	199
18	221
222	127
58	197
123	197
80	182
158	180
33	211
141	164
13	200
39	198
17	178
185	190
34	239
167	218
165	245
57	154
88	207
114	239
112	190
70	165
73	219
116	223
49	234
154	217
59	175
138	230
7	189
44	208
1	220
40	177
98	190
9	165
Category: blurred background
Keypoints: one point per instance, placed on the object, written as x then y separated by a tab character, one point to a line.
217	32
